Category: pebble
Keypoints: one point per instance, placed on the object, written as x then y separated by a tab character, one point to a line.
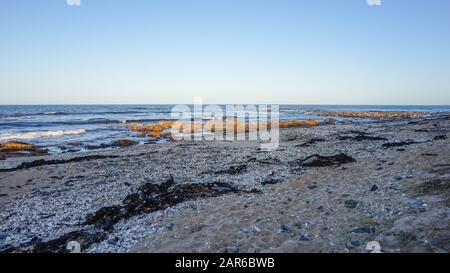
351	203
355	242
364	230
231	250
169	226
374	188
303	238
255	229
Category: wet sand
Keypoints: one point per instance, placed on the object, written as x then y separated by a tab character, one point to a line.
395	192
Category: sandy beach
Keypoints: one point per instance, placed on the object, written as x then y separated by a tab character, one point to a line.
328	188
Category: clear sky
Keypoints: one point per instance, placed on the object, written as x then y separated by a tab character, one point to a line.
226	51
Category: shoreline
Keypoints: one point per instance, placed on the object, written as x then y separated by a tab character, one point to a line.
300	202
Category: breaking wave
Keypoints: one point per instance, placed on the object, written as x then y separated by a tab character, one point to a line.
42	134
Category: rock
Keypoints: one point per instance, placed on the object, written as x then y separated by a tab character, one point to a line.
286	229
323	161
303	238
234	169
373	247
96	147
312	185
124	143
310	142
231	250
374	187
255	229
350	203
270	180
398	144
360	136
13	146
245	230
365	229
441	137
73	247
355	242
169	226
2	157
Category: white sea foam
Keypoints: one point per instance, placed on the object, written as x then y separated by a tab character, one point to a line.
42	134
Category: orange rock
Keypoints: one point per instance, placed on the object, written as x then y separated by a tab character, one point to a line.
16	146
124	142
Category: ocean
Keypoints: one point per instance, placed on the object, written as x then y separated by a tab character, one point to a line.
54	125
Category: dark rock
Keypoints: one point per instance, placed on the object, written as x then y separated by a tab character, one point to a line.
169	226
96	147
441	137
310	142
234	170
231	250
350	203
355	242
286	229
291	138
360	136
374	187
365	229
124	143
323	161
271	180
312	185
303	238
398	144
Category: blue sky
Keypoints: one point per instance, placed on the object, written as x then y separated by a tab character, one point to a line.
226	51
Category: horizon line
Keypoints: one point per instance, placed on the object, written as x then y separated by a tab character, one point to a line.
318	104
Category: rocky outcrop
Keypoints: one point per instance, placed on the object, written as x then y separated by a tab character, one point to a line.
16	149
375	114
